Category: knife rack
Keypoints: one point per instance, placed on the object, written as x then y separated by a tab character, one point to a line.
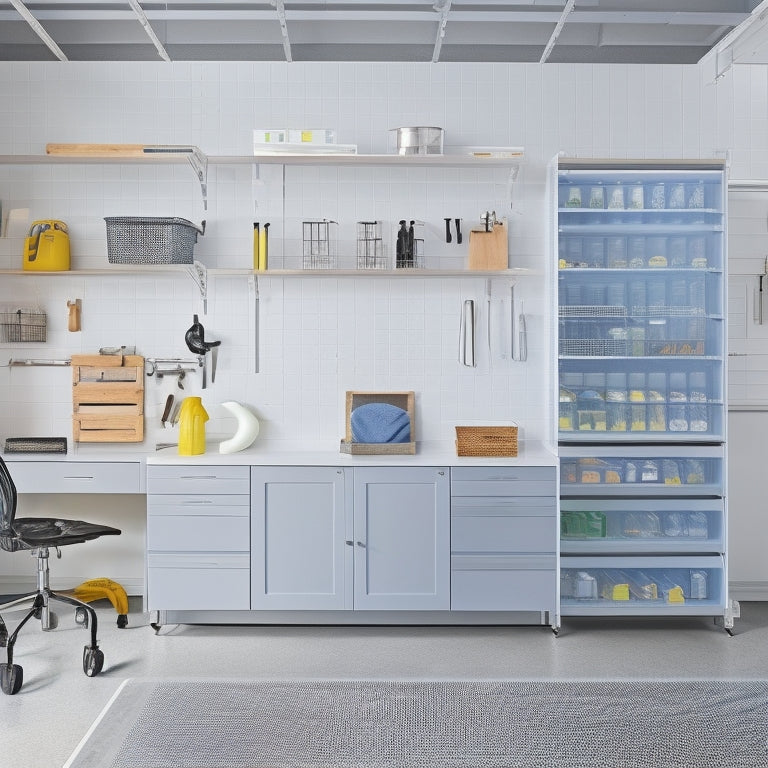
107	398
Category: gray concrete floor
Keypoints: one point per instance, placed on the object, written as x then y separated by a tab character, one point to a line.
43	723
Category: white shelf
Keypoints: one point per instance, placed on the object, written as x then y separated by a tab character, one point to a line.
168	268
479	156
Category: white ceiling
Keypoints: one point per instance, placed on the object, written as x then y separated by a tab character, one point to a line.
558	31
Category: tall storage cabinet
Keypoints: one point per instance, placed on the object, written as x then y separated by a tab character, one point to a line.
640	252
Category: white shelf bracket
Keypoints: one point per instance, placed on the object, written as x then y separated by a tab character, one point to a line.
199	162
199	273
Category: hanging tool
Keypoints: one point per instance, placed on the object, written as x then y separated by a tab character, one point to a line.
167	410
196	343
256	261
467	334
448	237
458	231
73	321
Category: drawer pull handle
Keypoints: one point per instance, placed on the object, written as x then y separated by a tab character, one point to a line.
78	477
198	501
199	477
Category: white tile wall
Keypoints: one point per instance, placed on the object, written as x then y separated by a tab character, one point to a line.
320	336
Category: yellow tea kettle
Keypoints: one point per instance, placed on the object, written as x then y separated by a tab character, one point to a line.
47	247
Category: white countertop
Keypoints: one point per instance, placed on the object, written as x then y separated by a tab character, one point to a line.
427	455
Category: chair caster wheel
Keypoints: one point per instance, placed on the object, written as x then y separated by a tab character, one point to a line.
122	620
53	621
11	678
93	661
81	617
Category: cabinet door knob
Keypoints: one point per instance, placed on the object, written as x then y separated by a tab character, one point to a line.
360	544
349	543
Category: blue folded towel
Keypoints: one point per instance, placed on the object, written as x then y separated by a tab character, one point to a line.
380	423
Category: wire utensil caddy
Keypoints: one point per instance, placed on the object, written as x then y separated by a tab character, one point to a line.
22	325
370	246
319	244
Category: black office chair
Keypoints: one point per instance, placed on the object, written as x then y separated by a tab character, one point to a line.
38	534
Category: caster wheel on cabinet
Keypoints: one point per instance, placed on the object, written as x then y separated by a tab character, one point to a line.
11	678
81	617
93	661
122	621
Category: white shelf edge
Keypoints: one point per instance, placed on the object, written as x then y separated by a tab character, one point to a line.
224	271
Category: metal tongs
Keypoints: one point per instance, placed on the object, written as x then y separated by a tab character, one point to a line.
195	339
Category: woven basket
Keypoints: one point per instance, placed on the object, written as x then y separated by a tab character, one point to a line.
151	240
486	441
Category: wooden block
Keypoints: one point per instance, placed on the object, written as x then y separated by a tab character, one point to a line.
96	150
489	250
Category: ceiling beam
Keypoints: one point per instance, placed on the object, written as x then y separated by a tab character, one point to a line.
37	27
141	16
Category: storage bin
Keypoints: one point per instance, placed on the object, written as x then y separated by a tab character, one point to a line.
151	240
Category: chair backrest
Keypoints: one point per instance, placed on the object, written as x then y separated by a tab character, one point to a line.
7	499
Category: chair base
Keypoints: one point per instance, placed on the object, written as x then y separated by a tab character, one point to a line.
11	674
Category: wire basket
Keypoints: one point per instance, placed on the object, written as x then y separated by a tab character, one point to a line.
151	240
23	325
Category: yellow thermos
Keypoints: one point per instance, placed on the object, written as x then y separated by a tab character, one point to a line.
46	249
192	418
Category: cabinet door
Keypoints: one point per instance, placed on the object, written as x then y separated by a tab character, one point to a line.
298	555
402	538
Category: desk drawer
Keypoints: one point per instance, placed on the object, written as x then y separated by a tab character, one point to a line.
198	533
503	481
503	583
192	479
76	476
503	534
212	504
198	582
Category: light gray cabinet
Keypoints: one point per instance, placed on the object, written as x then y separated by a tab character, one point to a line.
299	559
198	538
504	539
325	538
402	538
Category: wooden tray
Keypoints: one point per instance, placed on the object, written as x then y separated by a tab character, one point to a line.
107	398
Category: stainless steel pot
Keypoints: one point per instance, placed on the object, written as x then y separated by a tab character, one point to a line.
418	140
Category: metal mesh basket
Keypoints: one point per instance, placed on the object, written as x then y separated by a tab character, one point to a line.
151	240
23	325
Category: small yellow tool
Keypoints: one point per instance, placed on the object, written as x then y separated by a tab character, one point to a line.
256	238
96	589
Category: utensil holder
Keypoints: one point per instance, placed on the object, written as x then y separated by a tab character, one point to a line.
370	246
319	244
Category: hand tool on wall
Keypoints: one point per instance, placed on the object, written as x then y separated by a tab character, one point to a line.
448	237
256	245
458	231
167	410
73	321
196	343
467	334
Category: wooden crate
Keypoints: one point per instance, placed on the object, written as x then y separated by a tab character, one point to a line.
107	398
486	441
404	400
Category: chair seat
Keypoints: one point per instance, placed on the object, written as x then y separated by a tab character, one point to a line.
33	532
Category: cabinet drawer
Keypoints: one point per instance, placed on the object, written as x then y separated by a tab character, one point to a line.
76	476
198	533
503	506
198	582
189	480
503	481
508	588
235	505
503	534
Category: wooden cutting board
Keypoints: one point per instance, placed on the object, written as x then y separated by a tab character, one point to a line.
107	398
489	250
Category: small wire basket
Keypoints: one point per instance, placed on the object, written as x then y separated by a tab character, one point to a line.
151	240
319	244
370	246
23	325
